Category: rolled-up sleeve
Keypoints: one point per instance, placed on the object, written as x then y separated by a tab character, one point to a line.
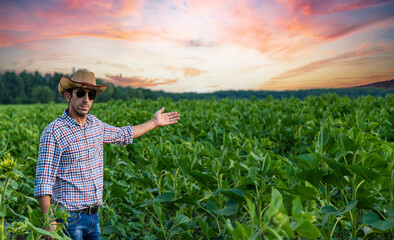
48	161
117	135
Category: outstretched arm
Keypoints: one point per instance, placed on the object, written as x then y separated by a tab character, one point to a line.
160	119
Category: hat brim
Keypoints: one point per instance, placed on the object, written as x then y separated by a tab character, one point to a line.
66	83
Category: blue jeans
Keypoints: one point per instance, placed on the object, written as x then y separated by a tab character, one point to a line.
82	226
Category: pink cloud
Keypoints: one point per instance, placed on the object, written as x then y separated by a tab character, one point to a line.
68	19
329	26
136	82
269	28
309	7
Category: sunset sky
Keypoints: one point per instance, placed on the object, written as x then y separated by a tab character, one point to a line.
203	45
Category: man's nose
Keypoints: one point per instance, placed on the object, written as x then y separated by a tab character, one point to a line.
85	97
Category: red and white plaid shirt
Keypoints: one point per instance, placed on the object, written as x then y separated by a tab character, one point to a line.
70	160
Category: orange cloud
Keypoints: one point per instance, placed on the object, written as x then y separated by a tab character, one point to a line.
136	82
363	45
363	55
351	57
104	7
192	72
187	71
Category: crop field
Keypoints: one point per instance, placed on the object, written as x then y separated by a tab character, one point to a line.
318	168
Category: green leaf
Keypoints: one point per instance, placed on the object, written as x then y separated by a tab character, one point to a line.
307	229
333	211
117	191
206	229
184	162
313	176
147	203
305	192
333	179
266	164
338	168
345	143
297	208
158	211
253	173
234	194
2	214
323	140
367	174
307	161
38	230
163	198
186	198
276	205
179	220
18	194
373	220
257	158
203	178
374	160
35	216
13	213
241	232
357	136
230	209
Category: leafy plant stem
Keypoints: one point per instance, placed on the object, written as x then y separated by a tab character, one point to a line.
216	219
161	224
220	180
333	229
2	229
2	208
174	178
273	232
391	188
362	225
355	186
326	193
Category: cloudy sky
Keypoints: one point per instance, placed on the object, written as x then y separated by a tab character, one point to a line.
203	45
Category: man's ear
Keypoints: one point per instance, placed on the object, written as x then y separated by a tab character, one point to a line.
67	96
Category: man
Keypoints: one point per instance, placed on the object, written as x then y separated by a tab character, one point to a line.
70	159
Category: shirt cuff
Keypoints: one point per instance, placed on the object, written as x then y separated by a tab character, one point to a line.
42	190
129	134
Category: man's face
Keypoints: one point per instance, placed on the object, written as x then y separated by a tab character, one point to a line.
80	105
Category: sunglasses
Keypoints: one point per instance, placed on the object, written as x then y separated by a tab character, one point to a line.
91	94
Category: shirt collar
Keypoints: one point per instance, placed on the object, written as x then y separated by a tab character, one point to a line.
71	121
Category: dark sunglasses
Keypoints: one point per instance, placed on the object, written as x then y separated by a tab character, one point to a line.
91	94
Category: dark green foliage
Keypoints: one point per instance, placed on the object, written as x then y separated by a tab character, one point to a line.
318	168
35	88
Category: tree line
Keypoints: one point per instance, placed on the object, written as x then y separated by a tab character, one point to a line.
27	87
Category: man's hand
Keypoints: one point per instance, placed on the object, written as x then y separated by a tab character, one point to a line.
160	119
45	202
163	119
49	229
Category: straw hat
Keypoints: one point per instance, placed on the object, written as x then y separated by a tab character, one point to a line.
81	79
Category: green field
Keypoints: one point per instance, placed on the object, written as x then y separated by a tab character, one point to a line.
318	168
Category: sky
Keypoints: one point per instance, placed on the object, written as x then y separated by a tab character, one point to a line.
203	45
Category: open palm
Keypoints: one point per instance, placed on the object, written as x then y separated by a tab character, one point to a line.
163	119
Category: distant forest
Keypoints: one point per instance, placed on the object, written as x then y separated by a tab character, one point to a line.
35	88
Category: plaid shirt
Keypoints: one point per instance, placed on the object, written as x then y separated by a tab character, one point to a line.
70	160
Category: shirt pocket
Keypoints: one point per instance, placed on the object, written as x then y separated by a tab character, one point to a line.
77	151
